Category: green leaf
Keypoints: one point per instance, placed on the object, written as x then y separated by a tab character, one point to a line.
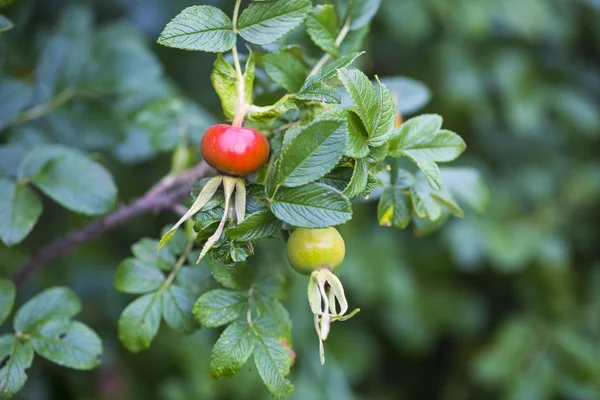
260	225
203	28
362	12
237	277
274	318
315	89
139	322
424	205
273	362
409	94
71	179
339	178
8	292
232	350
18	355
286	67
5	24
274	111
358	182
467	185
311	206
376	110
320	92
323	27
249	76
357	137
312	152
220	306
394	209
14	97
20	209
54	303
265	22
177	309
224	80
68	343
145	252
135	277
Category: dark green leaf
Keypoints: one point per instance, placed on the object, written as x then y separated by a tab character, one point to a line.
315	82
177	309
286	67
394	209
232	350
54	303
68	343
323	28
273	362
8	293
265	22
134	276
237	277
260	225
71	179
357	137
311	206
14	97
204	28
339	178
358	182
139	322
18	355
20	209
312	152
220	306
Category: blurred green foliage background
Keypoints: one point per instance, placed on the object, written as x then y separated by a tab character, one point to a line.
493	306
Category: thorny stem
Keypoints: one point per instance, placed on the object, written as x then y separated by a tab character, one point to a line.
177	267
242	106
338	42
160	197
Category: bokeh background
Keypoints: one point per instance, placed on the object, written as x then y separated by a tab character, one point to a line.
504	305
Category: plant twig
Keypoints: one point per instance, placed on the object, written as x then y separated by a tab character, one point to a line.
338	42
241	106
162	196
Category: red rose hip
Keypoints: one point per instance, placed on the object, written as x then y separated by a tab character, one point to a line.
236	151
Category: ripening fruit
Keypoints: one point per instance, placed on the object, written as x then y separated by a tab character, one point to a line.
311	249
235	151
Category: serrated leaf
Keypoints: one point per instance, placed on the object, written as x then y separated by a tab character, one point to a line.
68	343
357	137
274	320
237	277
265	22
376	110
220	306
145	252
177	309
286	68
20	209
135	277
224	80
54	303
311	206
273	363
413	130
394	209
18	355
327	72
71	179
314	151
139	322
339	178
8	293
320	92
232	350
323	28
203	28
260	225
358	182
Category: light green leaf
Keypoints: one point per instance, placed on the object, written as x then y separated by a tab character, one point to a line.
20	209
394	209
14	97
274	111
224	80
357	137
362	12
423	204
323	27
145	251
320	92
232	350
265	22
413	130
8	293
54	303
135	277
442	146
203	28
5	24
286	67
71	179
139	322
68	343
177	309
273	362
249	75
274	318
328	71
358	182
18	355
376	110
311	206
467	185
312	152
220	306
260	225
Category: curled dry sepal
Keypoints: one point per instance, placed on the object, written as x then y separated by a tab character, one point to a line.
44	326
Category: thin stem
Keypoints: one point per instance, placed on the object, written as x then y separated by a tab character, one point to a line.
43	109
338	42
242	106
236	13
177	267
249	313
